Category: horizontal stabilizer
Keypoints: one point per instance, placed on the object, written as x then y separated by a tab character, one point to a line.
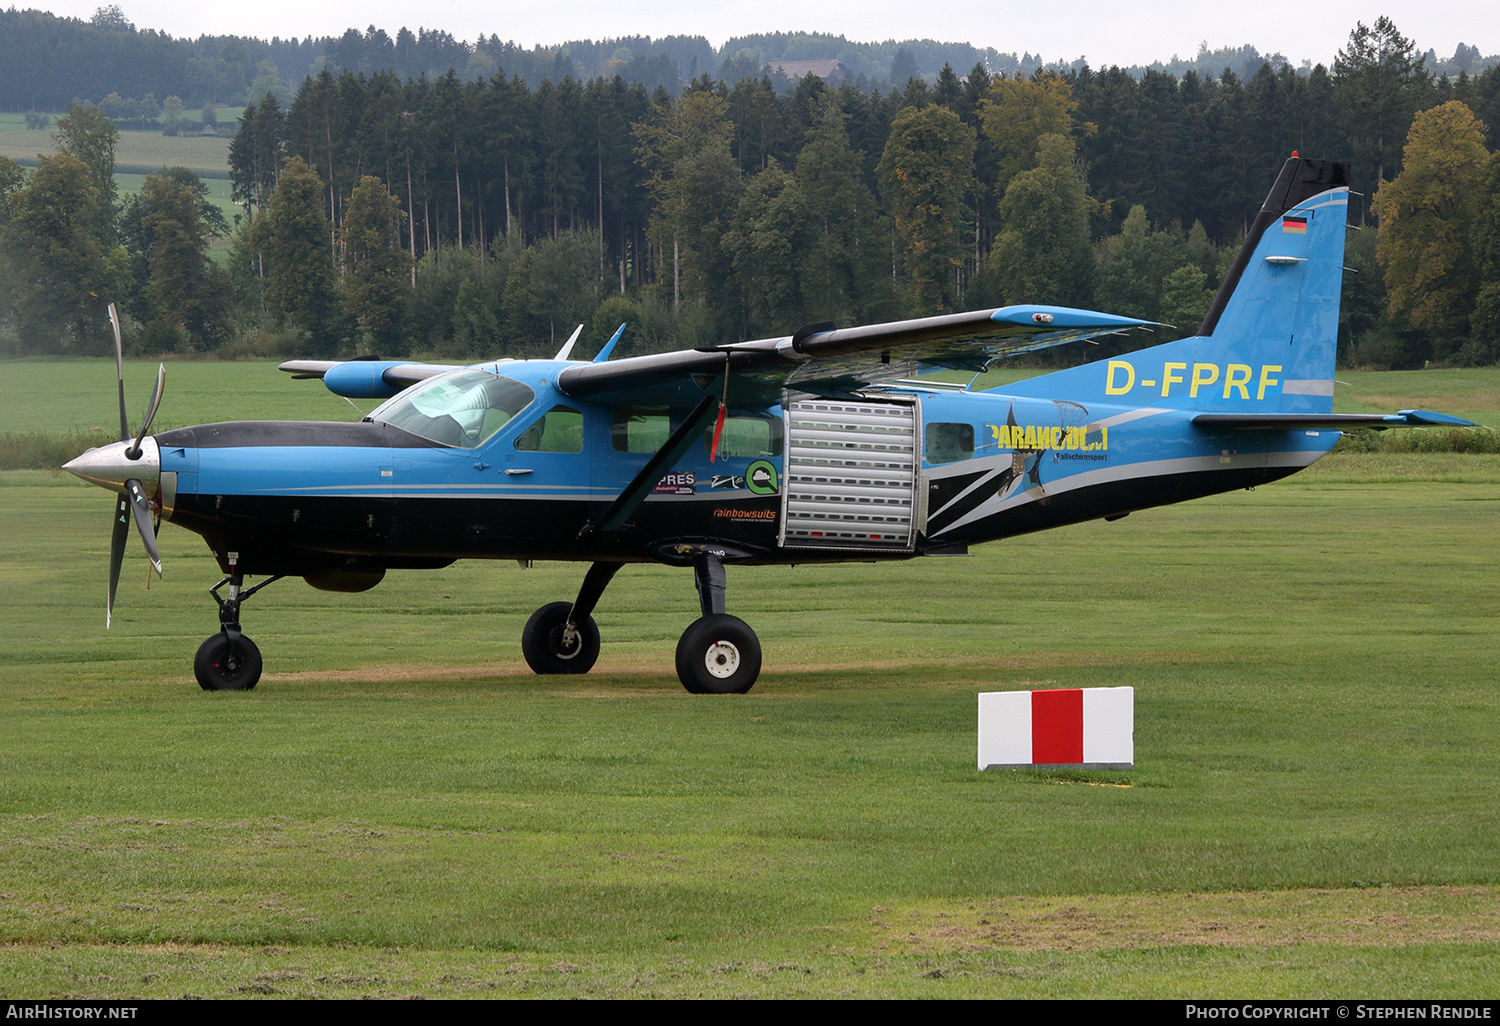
1331	421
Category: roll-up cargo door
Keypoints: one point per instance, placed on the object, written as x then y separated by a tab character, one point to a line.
850	476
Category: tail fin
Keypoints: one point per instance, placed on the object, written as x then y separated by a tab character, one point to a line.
1269	341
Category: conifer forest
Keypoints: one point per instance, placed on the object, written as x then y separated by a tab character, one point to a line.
422	196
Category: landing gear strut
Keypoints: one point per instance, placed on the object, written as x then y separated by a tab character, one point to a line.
718	654
229	661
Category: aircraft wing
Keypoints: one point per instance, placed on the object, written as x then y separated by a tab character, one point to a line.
366	379
828	361
1333	421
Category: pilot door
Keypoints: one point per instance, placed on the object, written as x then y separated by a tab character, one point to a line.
852	470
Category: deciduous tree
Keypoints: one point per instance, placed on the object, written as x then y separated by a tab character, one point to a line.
925	172
1042	254
186	292
1017	111
1428	217
1135	266
52	257
86	133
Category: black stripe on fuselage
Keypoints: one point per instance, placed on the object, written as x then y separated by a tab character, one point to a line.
300	534
1111	498
236	434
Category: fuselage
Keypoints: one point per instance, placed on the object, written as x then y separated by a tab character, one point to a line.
774	450
891	473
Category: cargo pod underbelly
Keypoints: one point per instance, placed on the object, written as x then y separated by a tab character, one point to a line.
851	476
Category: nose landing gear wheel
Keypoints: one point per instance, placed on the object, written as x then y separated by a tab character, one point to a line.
718	655
219	669
547	651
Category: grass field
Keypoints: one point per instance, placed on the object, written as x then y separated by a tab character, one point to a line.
401	808
135	148
140	150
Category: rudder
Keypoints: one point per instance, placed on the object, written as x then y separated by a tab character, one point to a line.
1270	338
1280	300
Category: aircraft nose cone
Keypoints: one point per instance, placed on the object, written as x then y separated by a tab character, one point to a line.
109	467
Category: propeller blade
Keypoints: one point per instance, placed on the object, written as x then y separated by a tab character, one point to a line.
155	532
134	451
114	322
116	554
140	507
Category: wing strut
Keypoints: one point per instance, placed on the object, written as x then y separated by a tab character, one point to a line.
628	501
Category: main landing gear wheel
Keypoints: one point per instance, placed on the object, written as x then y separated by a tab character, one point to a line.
219	669
718	655
546	649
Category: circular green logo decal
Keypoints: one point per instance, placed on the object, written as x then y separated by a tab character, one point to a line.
761	478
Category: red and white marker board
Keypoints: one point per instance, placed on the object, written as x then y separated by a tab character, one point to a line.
1066	728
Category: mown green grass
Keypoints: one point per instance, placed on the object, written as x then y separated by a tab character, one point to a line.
1314	665
402	808
1469	392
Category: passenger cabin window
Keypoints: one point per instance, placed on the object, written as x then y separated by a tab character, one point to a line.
560	429
746	438
949	443
462	408
639	430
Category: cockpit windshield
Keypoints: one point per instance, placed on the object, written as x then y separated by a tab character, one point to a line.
461	408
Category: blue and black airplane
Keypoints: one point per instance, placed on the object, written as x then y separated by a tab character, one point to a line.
814	447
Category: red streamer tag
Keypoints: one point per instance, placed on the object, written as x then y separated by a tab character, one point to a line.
718	431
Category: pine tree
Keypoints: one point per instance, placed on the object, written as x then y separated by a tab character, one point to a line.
376	269
696	184
293	237
1382	81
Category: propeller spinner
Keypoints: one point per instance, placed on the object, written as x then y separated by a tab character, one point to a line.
130	468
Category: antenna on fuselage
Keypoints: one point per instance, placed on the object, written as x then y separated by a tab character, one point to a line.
609	347
562	354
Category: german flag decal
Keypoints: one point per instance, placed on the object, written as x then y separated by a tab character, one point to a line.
1296	224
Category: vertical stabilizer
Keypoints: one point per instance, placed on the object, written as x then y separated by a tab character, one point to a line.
1269	341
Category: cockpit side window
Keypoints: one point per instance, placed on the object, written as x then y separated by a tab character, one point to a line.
560	429
461	408
639	430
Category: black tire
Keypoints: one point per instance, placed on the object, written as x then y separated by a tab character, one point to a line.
541	641
218	670
718	655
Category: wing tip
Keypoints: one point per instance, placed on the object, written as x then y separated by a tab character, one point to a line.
1033	315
